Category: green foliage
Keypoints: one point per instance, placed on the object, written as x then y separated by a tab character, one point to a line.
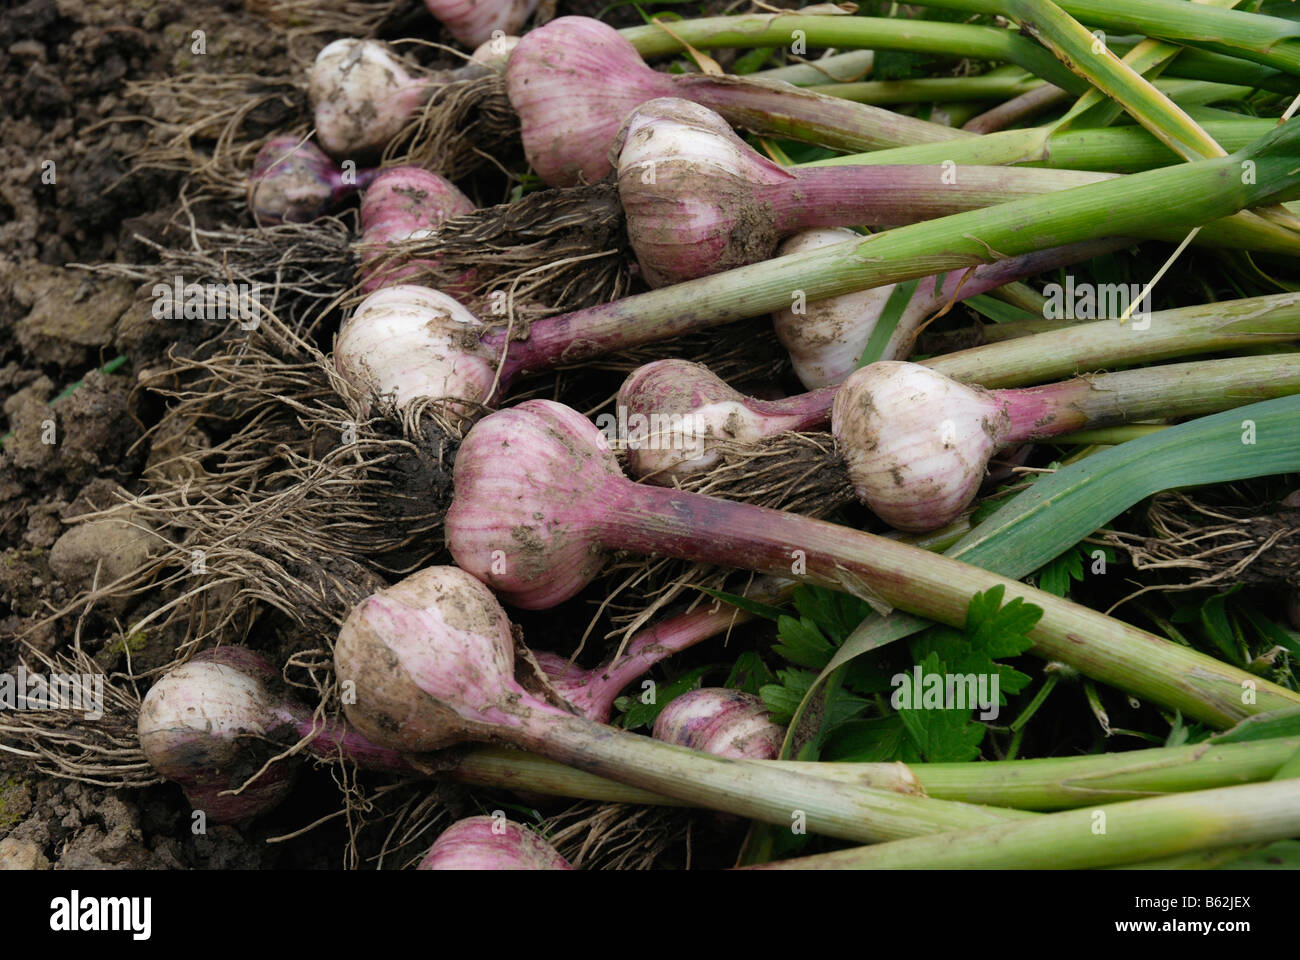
999	312
1279	855
1056	576
840	727
1230	626
749	673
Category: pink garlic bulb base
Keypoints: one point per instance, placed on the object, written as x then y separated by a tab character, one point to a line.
726	723
567	145
680	410
403	203
292	182
916	443
567	465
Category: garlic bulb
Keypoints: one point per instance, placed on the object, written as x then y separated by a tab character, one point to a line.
826	337
673	413
491	843
539	471
491	56
294	182
406	203
207	725
728	723
916	443
576	60
472	22
403	203
436	638
675	409
691	190
406	342
362	95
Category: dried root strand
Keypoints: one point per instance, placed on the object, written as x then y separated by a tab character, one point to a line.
307	25
299	270
209	126
464	125
1206	546
618	836
67	744
796	472
547	252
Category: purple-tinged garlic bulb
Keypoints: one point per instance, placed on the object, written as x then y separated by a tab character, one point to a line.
572	82
699	200
727	723
472	22
826	338
676	411
403	203
362	95
691	190
491	843
417	650
208	726
566	463
295	182
916	443
406	342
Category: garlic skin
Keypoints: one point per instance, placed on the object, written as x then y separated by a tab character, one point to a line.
471	22
916	443
691	190
571	682
676	411
726	723
538	470
435	638
491	843
406	342
362	95
403	203
407	202
490	56
205	724
292	182
572	82
826	340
